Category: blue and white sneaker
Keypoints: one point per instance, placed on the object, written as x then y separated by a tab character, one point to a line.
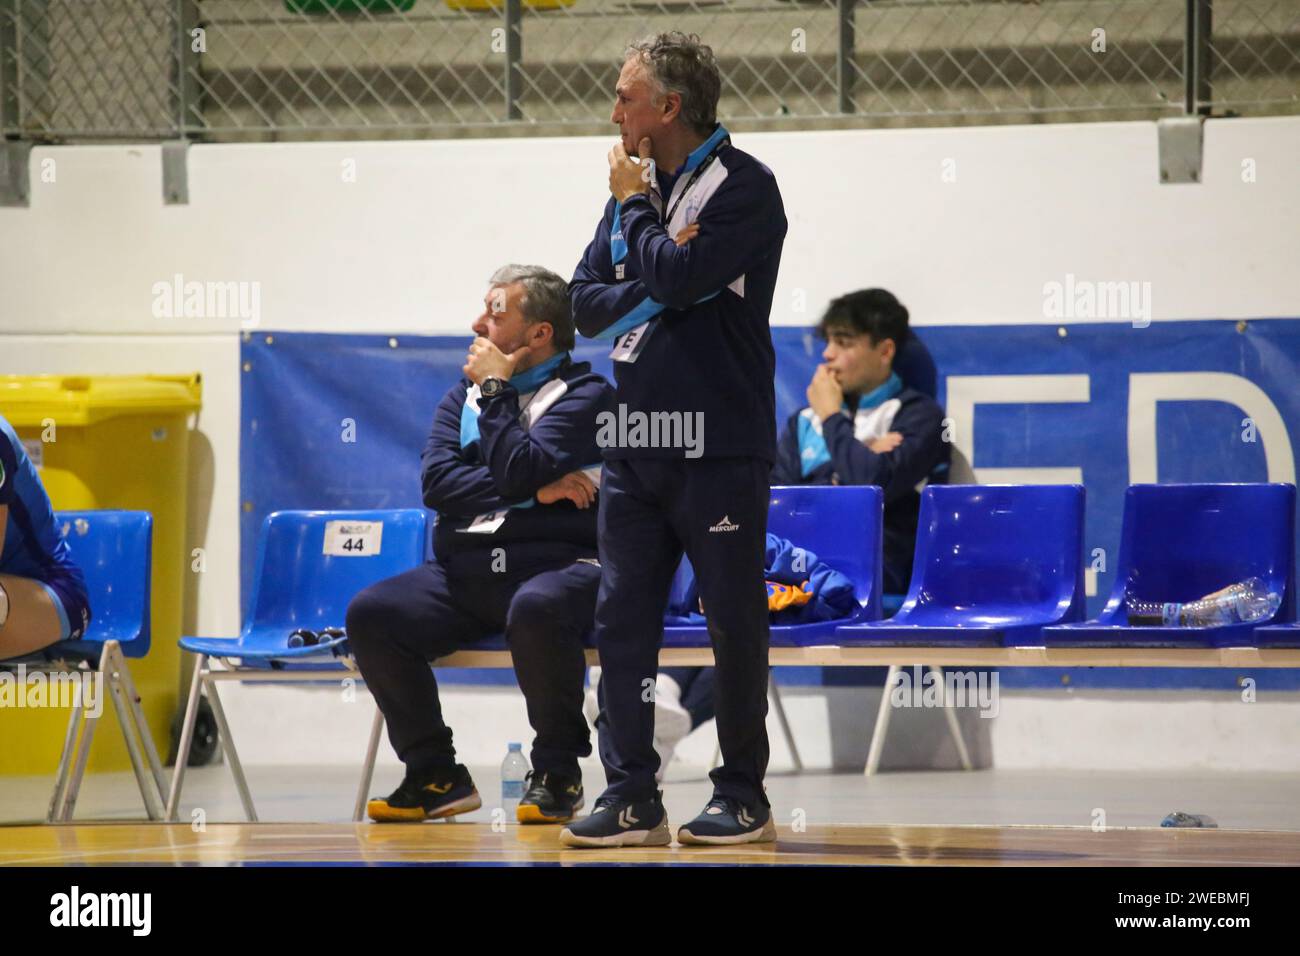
727	821
614	822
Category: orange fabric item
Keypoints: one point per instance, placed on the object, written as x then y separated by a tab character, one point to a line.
782	596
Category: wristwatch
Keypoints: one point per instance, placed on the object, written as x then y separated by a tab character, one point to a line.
492	387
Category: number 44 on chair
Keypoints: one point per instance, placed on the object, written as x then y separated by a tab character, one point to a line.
353	538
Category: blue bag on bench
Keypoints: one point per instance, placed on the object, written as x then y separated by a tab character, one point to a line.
801	585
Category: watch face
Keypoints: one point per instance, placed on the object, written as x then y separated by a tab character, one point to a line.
491	387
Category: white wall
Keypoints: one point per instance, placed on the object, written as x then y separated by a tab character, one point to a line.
407	246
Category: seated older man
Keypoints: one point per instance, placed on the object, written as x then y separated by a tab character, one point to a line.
508	467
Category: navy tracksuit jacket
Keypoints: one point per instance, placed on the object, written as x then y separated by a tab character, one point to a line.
527	570
505	467
706	352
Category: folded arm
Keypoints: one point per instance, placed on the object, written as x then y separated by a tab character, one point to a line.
450	484
895	471
737	228
524	460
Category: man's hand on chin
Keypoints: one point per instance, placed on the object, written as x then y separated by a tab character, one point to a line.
485	361
627	177
825	396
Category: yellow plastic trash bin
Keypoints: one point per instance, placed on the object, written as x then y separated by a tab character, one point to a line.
110	441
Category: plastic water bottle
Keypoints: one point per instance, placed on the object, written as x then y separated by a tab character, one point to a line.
1242	603
513	771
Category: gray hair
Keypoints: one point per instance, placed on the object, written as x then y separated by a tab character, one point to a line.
546	299
682	64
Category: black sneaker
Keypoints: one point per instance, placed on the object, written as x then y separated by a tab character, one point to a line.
726	821
429	796
551	798
615	822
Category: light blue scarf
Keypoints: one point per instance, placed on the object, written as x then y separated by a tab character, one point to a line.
525	382
648	308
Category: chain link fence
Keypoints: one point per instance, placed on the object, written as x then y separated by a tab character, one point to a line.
1252	54
301	69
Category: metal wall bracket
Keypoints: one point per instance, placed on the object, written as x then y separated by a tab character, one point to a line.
1179	141
15	179
175	172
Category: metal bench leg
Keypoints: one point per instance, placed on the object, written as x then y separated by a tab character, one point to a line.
368	771
954	728
187	737
228	744
151	800
73	786
65	761
882	724
137	709
775	696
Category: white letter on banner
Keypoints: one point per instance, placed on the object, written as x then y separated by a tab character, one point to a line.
967	391
1145	389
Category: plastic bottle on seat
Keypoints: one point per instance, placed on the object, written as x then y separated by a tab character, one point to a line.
1242	603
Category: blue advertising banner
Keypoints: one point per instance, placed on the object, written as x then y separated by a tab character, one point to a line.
338	421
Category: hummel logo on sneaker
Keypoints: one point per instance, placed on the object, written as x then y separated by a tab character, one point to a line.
724	525
435	788
625	818
745	818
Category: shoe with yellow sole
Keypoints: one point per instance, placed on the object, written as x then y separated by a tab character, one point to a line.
427	796
551	798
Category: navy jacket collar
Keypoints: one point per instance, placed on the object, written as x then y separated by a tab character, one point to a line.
698	154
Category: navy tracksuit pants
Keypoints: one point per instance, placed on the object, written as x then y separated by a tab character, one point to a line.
543	600
650	511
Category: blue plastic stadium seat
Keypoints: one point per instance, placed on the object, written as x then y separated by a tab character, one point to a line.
1278	635
890	604
994	565
297	585
843	526
1181	542
114	550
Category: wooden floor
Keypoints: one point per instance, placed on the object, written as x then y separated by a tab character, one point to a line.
446	843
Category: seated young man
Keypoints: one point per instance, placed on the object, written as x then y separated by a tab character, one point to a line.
862	426
42	591
508	468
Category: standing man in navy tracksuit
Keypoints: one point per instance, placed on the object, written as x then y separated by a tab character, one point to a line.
679	278
863	426
508	467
